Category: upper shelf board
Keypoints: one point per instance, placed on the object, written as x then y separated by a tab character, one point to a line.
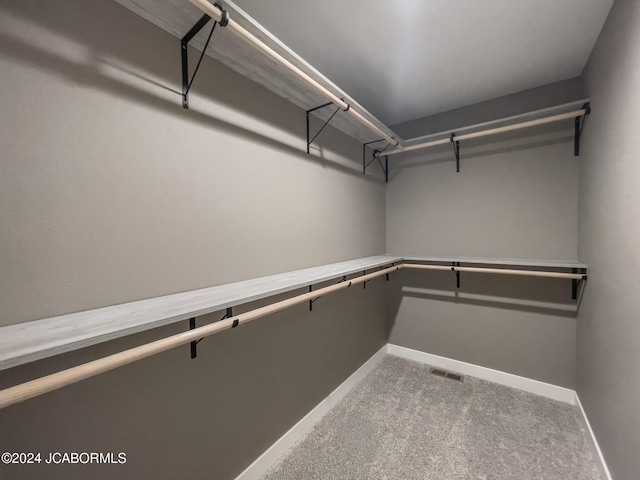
178	16
502	122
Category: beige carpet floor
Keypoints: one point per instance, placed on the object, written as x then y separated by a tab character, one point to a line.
402	422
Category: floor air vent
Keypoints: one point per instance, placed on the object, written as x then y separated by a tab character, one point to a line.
445	374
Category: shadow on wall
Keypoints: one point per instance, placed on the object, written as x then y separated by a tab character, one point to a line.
111	62
547	296
476	149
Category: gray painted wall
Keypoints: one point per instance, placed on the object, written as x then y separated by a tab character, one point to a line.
515	197
608	347
111	192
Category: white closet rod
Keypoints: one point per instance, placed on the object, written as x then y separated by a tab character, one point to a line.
493	131
215	13
40	386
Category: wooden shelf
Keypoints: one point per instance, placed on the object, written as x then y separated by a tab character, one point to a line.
178	16
35	340
563	264
30	341
500	122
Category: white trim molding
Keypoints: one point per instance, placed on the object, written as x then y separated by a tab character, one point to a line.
593	438
269	458
548	390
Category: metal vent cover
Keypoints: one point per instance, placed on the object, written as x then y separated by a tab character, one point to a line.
444	374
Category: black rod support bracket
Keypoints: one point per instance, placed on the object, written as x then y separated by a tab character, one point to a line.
575	284
377	154
456	150
194	349
192	325
385	167
310	141
364	154
578	126
184	43
457	272
343	279
381	268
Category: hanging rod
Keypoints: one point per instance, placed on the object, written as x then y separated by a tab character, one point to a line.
502	271
493	131
255	42
543	112
72	375
218	15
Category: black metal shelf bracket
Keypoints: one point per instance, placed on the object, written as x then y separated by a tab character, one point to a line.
579	125
377	154
192	325
364	154
310	141
456	150
194	349
381	268
184	43
575	284
344	279
457	272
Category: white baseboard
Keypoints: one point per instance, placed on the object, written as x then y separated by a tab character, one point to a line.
259	467
593	438
496	376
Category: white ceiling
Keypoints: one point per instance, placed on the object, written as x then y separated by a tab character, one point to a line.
406	59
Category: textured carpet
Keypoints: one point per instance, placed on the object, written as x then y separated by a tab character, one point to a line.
402	422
